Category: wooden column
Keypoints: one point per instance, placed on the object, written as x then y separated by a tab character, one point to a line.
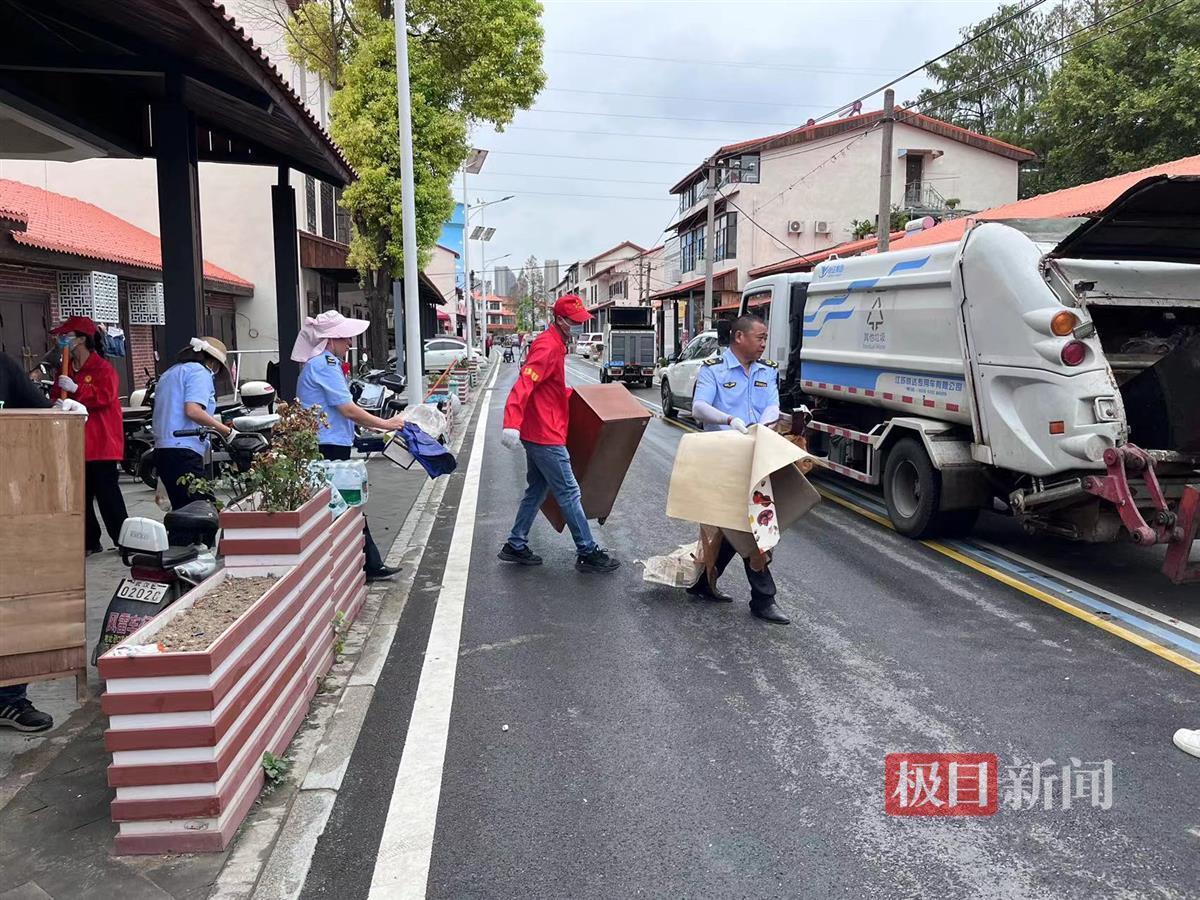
174	133
287	280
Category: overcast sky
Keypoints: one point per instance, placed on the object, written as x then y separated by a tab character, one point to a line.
752	68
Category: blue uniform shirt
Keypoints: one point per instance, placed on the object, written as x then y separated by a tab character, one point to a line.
322	383
724	384
183	383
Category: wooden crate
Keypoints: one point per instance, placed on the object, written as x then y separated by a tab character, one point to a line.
43	632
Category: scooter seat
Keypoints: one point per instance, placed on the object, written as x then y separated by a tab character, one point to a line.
199	515
171	557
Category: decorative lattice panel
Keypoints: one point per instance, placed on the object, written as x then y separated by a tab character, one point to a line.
91	294
146	303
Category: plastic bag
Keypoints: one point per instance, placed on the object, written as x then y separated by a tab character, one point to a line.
161	499
681	568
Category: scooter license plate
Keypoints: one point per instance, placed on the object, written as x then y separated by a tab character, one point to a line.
143	591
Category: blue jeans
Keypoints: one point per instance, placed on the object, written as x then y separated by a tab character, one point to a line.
549	470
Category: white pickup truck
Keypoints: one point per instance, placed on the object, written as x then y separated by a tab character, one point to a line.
1051	368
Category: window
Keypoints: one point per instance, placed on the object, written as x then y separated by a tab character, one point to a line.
618	289
442	345
725	238
327	226
708	346
310	204
691	249
342	224
692	194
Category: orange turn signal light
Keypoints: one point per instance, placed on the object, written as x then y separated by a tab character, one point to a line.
1063	323
1058	427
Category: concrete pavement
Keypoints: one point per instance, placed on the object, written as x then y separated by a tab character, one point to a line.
607	737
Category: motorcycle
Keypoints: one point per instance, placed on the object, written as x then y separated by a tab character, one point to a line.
136	421
167	559
378	392
508	354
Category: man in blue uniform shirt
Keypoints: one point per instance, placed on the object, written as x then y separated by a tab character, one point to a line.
733	391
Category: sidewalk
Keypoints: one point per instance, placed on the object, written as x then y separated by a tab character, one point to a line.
55	833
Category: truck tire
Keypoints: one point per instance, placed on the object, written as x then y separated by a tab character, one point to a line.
668	405
912	489
604	379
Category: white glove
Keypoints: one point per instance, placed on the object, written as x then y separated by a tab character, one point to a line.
67	384
738	425
511	438
70	406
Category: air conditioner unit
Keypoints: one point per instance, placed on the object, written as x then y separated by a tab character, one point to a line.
821	226
795	226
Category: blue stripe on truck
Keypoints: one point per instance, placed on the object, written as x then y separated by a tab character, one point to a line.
862	377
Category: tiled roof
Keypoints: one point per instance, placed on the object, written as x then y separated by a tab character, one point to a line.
62	224
689	285
806	261
1082	200
614	250
822	130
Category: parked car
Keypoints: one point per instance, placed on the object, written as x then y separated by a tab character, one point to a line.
588	341
679	377
443	352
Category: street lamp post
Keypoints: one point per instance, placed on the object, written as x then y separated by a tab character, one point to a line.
473	166
415	362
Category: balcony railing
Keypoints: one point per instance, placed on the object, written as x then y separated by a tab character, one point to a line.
923	195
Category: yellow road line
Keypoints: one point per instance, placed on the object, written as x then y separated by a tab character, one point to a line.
1091	618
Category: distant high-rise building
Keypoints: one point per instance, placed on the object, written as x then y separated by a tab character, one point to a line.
551	273
506	281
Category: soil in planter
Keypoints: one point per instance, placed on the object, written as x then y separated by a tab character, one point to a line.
197	627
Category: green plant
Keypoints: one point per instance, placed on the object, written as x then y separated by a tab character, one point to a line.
282	478
275	769
340	627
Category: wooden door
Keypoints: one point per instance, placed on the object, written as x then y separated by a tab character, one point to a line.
24	334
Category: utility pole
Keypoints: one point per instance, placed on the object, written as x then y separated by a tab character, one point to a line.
884	227
470	300
415	363
709	239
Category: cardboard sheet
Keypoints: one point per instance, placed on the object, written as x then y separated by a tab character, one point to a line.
717	473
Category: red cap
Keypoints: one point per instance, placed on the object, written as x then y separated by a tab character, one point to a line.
77	324
569	306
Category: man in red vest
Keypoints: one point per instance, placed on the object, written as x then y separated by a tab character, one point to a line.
536	416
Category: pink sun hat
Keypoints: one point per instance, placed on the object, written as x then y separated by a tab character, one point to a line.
317	331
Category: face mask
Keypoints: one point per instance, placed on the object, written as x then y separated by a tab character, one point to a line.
66	340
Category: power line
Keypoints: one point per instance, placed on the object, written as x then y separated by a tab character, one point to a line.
1016	15
585	112
708	61
523	192
657	162
738	102
637	134
579	178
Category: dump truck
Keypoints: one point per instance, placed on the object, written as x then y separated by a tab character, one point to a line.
1048	368
629	347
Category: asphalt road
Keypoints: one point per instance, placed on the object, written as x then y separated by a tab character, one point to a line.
610	738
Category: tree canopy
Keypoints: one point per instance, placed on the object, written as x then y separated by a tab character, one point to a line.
470	62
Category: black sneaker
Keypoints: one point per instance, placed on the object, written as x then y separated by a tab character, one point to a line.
382	574
22	716
596	561
524	556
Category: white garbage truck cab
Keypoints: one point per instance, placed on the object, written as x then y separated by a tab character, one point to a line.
1047	368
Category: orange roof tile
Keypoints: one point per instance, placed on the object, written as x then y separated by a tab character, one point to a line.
1082	200
64	224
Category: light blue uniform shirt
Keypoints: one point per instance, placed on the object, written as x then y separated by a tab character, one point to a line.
183	383
723	384
322	383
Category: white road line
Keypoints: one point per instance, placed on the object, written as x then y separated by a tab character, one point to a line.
402	865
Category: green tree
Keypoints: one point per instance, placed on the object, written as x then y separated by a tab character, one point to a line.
860	228
1126	97
531	295
470	62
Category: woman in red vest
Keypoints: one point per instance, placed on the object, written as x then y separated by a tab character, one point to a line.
92	381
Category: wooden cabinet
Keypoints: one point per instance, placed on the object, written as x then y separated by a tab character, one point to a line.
43	631
606	426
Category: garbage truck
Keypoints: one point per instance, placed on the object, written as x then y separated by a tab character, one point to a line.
1049	369
629	346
